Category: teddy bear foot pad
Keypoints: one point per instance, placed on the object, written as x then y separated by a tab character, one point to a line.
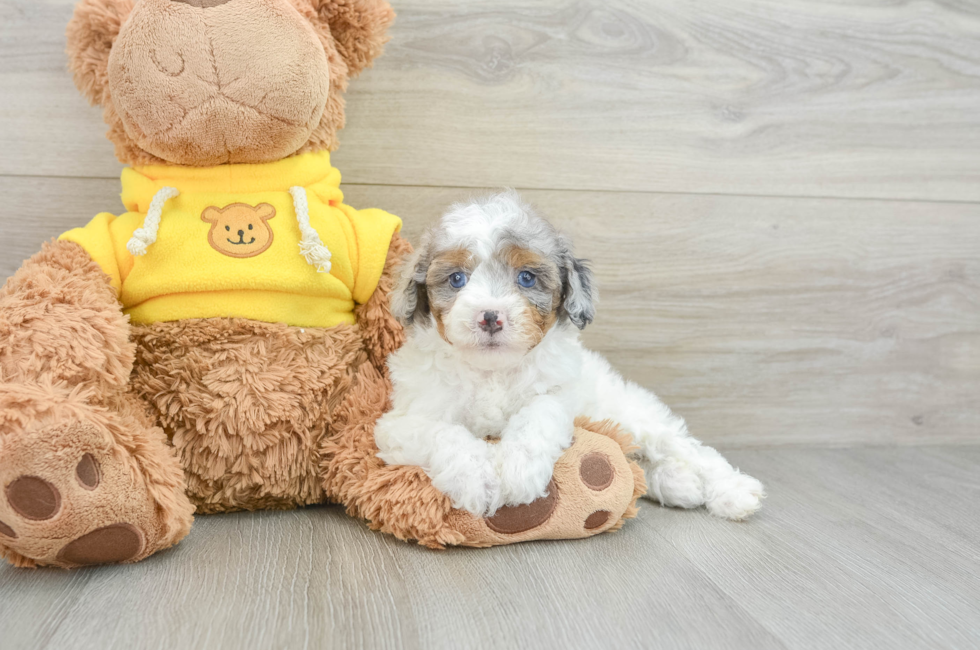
70	499
593	491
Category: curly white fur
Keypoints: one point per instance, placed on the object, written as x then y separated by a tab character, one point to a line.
455	384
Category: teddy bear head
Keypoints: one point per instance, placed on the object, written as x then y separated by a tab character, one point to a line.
209	82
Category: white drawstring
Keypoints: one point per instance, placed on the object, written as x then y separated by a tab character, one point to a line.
312	248
143	237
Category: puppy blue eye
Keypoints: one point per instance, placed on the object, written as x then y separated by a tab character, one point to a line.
526	279
457	280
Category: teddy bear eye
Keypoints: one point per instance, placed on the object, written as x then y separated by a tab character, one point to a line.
249	226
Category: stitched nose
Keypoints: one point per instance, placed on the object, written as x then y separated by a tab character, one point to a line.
490	323
241	233
203	4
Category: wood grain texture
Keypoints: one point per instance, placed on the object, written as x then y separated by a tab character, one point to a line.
855	548
877	532
761	320
862	99
778	320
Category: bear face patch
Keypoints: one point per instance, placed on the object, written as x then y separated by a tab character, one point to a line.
239	229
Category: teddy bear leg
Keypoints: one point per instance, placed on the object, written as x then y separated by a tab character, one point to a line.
85	477
398	500
84	484
594	488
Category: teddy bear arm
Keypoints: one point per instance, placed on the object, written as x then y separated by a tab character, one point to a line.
381	331
60	321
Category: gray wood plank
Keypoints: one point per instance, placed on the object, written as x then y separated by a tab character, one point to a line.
863	99
854	548
315	578
761	320
839	557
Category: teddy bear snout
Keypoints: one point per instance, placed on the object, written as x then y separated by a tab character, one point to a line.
249	84
203	4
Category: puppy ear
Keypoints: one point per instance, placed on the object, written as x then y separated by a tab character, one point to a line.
578	289
410	299
91	32
359	28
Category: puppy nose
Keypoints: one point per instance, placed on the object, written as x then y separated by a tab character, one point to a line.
490	323
203	4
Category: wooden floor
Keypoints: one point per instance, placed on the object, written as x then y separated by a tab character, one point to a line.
782	202
856	548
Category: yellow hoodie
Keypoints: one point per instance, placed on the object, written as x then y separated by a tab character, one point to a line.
270	242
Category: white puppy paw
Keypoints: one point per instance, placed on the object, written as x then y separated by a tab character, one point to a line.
471	483
524	475
675	483
735	497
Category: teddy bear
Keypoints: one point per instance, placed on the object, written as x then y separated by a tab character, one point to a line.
221	344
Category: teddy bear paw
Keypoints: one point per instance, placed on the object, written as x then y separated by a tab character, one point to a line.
593	489
71	498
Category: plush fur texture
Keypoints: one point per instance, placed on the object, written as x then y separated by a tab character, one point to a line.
248	405
175	87
186	95
227	414
353	33
46	431
574	497
60	322
66	362
494	297
245	407
401	500
245	404
256	416
111	435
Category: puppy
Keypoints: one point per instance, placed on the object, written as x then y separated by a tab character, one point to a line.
493	300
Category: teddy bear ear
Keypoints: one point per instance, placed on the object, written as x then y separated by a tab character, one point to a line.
264	211
359	28
211	214
91	32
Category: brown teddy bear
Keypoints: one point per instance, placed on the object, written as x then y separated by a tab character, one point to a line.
221	345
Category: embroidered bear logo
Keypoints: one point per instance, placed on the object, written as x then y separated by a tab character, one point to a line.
240	230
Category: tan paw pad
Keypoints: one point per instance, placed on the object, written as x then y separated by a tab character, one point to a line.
592	488
88	472
33	498
597	519
69	500
511	520
596	471
107	545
